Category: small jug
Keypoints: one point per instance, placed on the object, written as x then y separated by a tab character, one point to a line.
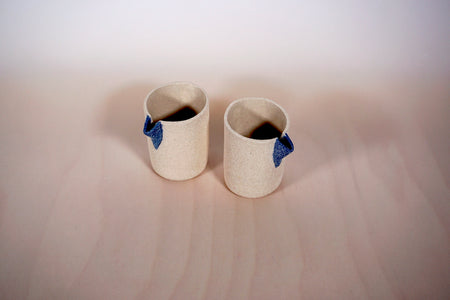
176	126
255	143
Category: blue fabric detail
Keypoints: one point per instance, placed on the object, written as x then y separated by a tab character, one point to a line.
153	131
283	147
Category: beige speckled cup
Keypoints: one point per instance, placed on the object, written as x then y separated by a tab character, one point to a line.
255	143
176	126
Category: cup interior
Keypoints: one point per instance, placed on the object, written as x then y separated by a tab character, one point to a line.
257	118
176	102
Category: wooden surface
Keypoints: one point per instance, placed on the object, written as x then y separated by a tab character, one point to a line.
363	211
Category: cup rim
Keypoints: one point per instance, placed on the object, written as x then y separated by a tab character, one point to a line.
227	124
205	107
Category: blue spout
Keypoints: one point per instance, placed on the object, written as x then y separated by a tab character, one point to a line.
153	131
282	148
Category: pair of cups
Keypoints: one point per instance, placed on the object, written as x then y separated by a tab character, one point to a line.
255	138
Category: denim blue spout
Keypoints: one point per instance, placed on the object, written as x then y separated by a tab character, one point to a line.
153	131
282	148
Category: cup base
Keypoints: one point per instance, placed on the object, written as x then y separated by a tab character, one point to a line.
248	192
179	177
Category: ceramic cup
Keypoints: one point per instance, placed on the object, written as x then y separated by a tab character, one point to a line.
176	127
255	143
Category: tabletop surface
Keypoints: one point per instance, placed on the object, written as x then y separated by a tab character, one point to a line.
363	210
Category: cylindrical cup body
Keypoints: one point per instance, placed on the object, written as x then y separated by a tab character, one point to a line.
249	168
182	108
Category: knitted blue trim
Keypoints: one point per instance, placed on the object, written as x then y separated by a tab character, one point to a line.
283	147
153	131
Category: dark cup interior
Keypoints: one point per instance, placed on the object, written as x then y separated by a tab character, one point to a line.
257	118
176	102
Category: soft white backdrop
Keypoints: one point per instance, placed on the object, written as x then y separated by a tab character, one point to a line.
222	36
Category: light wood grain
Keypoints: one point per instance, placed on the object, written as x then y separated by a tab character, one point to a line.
362	213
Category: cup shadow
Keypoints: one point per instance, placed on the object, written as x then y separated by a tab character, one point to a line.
123	117
217	109
337	124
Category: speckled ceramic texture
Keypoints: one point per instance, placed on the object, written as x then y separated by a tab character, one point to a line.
183	151
249	168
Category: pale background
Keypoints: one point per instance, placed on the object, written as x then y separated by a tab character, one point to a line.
364	208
